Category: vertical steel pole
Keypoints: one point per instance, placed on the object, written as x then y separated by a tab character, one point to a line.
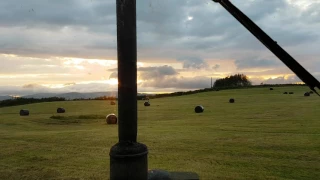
128	158
127	69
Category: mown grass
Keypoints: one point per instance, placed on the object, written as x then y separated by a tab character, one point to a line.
263	135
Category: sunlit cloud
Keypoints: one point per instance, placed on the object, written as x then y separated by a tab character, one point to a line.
301	4
77	61
19	76
140	64
54	86
112	81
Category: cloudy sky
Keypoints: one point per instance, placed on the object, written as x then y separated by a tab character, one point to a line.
70	45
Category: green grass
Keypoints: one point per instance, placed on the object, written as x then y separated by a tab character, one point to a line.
263	135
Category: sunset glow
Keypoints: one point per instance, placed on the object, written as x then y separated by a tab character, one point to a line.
180	46
54	86
112	81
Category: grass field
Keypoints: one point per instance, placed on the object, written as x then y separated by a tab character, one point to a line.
263	135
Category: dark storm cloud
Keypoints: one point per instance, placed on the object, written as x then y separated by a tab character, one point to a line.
193	63
168	77
156	72
216	67
254	62
58	28
56	13
84	28
179	83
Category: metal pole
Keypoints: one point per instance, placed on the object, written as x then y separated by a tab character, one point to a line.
127	69
128	158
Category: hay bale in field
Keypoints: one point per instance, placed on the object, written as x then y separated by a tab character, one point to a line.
61	110
290	92
24	112
111	119
159	174
112	103
307	94
231	100
285	93
146	98
271	89
199	109
147	103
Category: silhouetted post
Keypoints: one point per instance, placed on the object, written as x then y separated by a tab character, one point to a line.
128	158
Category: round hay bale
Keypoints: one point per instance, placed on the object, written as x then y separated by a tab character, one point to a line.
231	100
271	89
146	103
112	103
111	119
199	109
157	174
61	110
307	94
290	92
24	112
285	93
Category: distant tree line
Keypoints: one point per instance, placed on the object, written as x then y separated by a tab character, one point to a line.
179	93
237	80
22	101
105	98
218	89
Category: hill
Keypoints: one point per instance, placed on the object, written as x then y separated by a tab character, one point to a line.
75	95
5	97
72	95
263	135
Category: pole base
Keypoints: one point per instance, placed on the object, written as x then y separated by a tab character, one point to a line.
129	160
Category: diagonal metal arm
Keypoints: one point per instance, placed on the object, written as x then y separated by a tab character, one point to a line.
289	61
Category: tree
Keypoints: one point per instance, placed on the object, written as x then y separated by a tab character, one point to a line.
237	80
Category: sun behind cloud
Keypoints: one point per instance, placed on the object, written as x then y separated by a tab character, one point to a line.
112	81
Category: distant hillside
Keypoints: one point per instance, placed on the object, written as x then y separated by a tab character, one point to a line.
76	95
41	95
5	98
72	95
92	95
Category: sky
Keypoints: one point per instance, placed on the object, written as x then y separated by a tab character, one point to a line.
70	45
